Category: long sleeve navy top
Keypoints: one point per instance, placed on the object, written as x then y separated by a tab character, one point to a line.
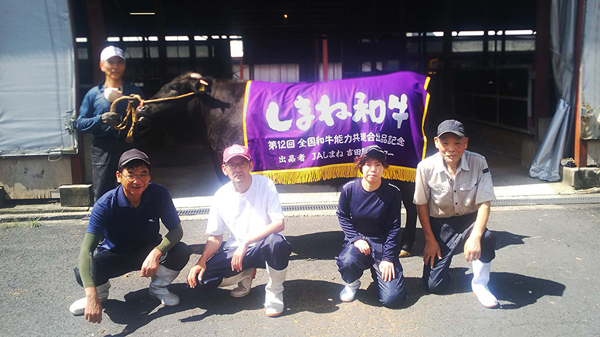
373	216
94	105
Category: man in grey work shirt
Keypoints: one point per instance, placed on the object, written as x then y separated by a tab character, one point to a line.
453	190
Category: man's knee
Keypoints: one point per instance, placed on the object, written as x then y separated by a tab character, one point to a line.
276	251
437	286
349	264
393	299
393	293
178	256
488	247
349	255
278	244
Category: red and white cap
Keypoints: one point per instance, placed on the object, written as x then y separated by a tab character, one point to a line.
236	150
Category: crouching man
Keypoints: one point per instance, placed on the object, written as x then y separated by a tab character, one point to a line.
126	219
249	207
453	190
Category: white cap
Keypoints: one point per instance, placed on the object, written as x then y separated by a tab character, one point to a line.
111	51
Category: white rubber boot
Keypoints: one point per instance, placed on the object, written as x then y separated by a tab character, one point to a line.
347	294
78	307
243	281
158	286
481	277
274	292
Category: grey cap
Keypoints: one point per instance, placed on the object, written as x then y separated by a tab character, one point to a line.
133	154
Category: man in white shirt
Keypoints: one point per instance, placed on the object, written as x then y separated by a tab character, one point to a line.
249	207
453	190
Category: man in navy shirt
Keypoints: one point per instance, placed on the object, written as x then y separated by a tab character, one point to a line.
126	219
95	117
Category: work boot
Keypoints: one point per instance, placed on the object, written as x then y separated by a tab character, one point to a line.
158	286
347	294
243	281
274	292
405	253
481	277
78	307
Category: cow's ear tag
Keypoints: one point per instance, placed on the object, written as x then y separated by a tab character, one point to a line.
203	85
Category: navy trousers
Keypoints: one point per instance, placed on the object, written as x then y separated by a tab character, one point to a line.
273	250
352	263
451	233
106	264
407	189
105	159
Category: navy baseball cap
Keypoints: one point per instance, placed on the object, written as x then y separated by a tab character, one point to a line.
451	125
133	154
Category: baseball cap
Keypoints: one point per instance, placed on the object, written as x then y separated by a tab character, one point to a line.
451	125
373	150
133	154
236	150
111	51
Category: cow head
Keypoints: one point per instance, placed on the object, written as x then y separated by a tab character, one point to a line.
183	108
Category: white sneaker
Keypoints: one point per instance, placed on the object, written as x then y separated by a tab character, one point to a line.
347	294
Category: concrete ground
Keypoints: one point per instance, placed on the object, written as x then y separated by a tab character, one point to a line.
545	277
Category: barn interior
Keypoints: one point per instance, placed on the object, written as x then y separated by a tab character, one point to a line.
488	61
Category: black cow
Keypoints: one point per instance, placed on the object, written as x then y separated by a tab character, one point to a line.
215	110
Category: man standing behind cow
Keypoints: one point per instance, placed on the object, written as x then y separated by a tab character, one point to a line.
453	190
249	207
95	117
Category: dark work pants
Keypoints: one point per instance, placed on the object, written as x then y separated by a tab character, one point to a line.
273	250
351	264
107	265
105	159
451	234
407	189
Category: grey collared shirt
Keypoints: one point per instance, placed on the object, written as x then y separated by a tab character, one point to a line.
447	197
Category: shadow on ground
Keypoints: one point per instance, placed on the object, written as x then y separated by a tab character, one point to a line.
327	245
503	240
513	291
316	246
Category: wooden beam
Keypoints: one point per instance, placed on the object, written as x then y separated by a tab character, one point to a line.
162	45
325	65
580	144
541	85
97	36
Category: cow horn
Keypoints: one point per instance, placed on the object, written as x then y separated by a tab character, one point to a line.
196	76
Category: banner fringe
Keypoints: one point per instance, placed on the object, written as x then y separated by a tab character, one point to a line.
314	174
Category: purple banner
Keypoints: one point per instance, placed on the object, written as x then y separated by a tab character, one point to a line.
295	128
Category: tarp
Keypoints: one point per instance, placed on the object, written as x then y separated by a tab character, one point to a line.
590	81
37	78
307	132
563	23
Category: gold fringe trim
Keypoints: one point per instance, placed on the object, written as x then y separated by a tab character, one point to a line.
245	112
313	174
